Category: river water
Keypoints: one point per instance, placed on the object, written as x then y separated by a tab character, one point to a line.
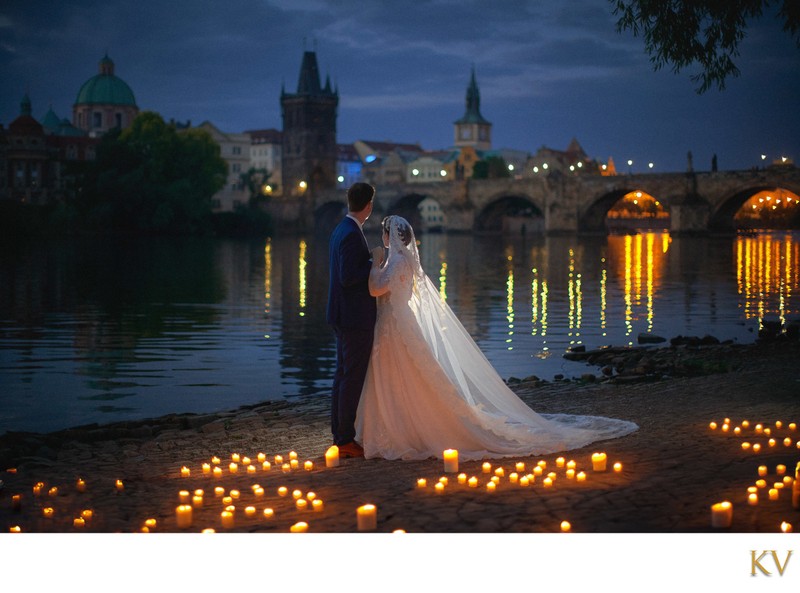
94	331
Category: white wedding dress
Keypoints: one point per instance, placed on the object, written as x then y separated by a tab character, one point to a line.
429	387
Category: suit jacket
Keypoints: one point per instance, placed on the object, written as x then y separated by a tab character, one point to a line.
350	305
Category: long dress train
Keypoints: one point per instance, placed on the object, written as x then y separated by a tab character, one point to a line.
430	388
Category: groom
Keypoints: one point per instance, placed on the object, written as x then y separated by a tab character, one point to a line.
351	313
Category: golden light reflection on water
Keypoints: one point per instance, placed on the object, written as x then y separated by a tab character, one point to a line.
302	264
510	297
268	276
443	281
767	270
575	297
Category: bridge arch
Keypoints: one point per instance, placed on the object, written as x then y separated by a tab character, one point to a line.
722	217
328	215
510	214
593	219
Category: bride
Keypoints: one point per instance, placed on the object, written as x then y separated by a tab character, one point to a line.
430	388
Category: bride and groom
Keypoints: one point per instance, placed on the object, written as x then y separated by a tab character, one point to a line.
410	381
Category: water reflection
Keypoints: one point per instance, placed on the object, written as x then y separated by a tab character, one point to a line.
103	332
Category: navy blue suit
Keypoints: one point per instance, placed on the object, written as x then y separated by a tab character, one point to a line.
351	313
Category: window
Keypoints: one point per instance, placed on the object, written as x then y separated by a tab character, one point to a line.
118	120
237	150
97	119
236	167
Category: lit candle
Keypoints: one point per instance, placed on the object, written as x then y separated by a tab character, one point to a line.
311	496
286	468
761	483
215	460
490	486
48	512
792	426
268	513
762	470
444	480
87	514
570	473
450	461
278	459
283	491
787	480
486	467
206	468
599	462
197	501
79	522
721	514
266	466
786	527
301	504
261	457
245	460
183	515
250	512
235	494
571	464
120	486
513	477
752	499
462	478
251	469
308	466
767	431
422	483
565	526
745	445
208	530
787	442
537	471
712	425
53	491
780	469
258	492
552	476
472	482
500	472
299	527
292	455
439	487
233	467
617	467
219	491
524	481
317	505
560	462
217	472
150	523
80	485
548	482
520	466
37	488
16	502
725	427
759	429
236	458
737	430
185	472
771	442
542	464
778	485
15	529
495	479
773	493
745	424
183	496
294	463
332	456
756	448
297	494
227	519
367	517
580	476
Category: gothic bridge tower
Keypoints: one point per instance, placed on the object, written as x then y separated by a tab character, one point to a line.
309	132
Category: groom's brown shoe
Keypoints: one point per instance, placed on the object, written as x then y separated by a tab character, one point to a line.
352	449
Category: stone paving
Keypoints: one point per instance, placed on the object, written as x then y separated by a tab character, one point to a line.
673	468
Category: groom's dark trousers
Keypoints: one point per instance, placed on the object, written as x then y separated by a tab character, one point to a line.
351	313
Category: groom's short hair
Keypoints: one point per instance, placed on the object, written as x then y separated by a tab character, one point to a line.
359	195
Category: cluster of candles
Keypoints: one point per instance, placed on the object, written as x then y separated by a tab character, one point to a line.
722	512
190	501
520	476
40	490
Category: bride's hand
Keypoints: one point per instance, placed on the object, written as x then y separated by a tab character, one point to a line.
377	256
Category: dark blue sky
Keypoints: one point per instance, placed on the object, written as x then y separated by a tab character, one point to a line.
547	72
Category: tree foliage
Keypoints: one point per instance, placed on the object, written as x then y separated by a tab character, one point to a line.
152	177
705	33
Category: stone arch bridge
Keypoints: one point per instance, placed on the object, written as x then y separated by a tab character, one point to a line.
558	203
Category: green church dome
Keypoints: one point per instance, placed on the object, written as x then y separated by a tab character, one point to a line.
105	88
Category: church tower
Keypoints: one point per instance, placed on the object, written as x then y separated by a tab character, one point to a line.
472	129
309	132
